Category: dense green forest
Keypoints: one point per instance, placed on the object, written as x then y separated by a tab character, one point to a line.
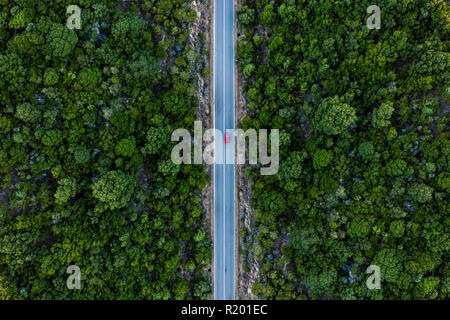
85	172
364	147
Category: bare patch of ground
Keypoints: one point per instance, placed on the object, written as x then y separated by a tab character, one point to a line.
244	217
204	90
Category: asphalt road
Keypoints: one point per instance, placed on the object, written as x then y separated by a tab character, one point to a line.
224	188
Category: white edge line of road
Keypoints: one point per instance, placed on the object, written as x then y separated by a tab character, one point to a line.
235	239
213	106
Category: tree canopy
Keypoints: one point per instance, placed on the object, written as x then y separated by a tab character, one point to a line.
367	110
84	150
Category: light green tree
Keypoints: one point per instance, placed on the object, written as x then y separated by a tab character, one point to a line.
126	147
268	15
60	41
167	167
322	158
127	24
390	264
421	192
321	282
27	112
397	228
381	115
50	77
427	288
114	189
396	167
89	79
333	117
67	189
156	139
245	15
358	227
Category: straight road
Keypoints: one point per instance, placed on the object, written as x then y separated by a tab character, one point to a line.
224	188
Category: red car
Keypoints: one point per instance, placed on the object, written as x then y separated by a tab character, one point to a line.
227	137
